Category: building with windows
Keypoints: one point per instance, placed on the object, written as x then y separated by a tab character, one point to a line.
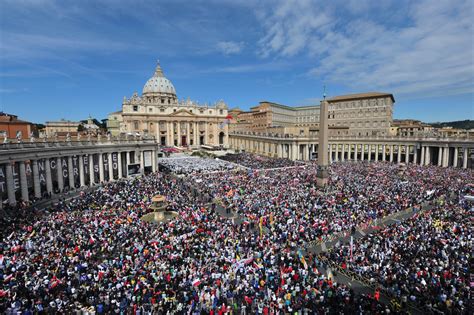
11	127
363	115
159	113
61	128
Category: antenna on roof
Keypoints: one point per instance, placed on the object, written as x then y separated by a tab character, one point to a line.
324	92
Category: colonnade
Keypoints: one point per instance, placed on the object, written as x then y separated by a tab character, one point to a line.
423	153
36	177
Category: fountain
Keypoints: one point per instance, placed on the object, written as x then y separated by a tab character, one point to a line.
160	211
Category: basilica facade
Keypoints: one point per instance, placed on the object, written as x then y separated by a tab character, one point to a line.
159	113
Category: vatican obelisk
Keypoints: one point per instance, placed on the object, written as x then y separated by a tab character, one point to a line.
322	174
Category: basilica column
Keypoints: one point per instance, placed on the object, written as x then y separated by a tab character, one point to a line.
179	133
101	168
36	179
70	170
391	153
23	182
111	167
196	136
455	160
119	165
82	180
49	181
59	174
91	170
206	133
464	158
10	183
188	133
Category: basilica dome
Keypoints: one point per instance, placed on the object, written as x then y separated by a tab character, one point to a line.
159	84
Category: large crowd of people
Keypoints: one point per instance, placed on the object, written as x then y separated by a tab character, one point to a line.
257	161
423	260
193	165
93	253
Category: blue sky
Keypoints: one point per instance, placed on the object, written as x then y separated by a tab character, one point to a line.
68	59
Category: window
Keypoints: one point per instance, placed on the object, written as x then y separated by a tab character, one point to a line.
221	111
174	110
162	101
150	109
135	124
135	108
162	110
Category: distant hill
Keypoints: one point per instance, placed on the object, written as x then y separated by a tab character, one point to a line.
460	124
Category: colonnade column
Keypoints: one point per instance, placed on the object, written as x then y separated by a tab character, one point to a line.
369	153
153	161
36	179
440	156
82	181
399	154
343	152
445	156
415	154
111	167
455	158
101	167
10	184
142	162
349	151
337	152
279	149
362	152
119	163
427	156
49	181
422	158
376	152
330	153
23	182
91	170
384	152
464	159
407	154
391	153
70	170
59	173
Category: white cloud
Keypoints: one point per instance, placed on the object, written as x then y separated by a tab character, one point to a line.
230	47
430	52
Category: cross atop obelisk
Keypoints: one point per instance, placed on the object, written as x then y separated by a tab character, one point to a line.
323	158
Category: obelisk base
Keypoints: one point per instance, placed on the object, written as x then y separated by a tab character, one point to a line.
322	176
